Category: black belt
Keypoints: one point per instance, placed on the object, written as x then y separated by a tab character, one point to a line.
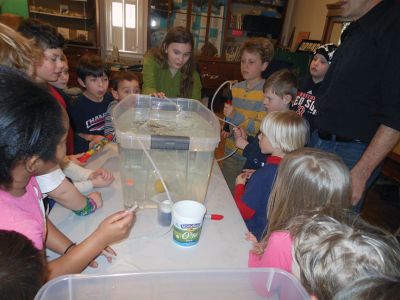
329	137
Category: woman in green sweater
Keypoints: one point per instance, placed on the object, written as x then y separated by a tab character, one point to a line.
169	70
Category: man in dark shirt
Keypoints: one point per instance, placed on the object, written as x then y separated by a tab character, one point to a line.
359	108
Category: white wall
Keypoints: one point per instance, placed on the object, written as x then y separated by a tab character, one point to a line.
307	15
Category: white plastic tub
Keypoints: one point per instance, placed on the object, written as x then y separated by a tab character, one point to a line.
180	136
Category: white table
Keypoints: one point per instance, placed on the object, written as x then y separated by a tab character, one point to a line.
149	246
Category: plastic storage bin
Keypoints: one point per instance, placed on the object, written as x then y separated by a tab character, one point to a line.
189	285
179	134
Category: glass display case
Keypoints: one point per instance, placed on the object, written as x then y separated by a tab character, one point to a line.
159	14
253	18
76	20
219	27
204	18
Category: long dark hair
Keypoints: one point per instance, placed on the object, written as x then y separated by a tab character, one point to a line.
178	35
30	122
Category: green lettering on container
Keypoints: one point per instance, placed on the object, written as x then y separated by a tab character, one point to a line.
186	237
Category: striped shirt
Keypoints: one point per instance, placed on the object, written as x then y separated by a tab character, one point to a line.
248	111
108	126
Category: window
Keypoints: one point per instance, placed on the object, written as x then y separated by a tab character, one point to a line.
126	25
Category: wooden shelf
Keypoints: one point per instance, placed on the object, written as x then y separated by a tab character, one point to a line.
59	15
257	2
77	21
79	18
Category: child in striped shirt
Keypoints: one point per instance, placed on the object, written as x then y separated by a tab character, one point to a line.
247	109
123	84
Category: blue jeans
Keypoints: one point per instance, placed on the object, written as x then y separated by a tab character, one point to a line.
350	152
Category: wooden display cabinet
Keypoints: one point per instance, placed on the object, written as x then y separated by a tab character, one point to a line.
333	24
214	71
76	20
206	19
253	18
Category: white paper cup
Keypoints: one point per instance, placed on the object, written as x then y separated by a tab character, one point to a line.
187	220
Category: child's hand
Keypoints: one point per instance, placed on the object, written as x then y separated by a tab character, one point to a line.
248	172
225	134
108	253
237	132
250	237
116	227
241	179
228	110
244	176
74	159
94	140
101	178
240	132
158	94
258	247
241	143
96	196
113	228
240	136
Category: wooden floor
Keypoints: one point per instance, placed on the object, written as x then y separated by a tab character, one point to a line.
382	205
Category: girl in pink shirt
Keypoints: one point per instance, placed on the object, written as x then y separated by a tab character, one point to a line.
25	213
308	180
33	132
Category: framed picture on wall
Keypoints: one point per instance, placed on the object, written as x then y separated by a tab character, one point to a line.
308	45
303	35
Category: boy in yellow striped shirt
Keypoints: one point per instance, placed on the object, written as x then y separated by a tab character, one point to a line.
247	109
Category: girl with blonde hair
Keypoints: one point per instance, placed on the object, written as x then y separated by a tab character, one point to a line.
308	180
334	252
169	70
17	51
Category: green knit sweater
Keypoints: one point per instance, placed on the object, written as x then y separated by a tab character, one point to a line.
157	79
